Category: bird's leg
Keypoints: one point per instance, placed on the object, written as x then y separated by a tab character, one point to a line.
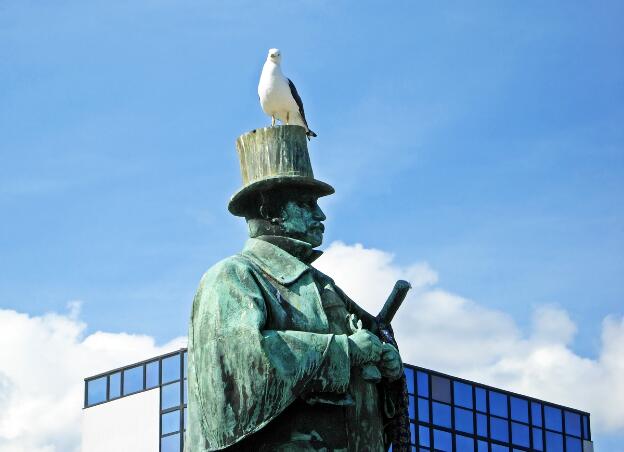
287	117
272	121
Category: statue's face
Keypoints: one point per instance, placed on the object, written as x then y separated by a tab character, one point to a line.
302	219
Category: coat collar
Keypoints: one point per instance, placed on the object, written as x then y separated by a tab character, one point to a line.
275	261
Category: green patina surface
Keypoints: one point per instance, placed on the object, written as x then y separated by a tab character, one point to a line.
270	364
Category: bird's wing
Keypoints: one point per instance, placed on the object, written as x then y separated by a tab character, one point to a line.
297	98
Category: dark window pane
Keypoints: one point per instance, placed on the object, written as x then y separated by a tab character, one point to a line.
520	434
463	420
185	392
554	442
409	379
171	369
422	381
114	383
442	441
464	444
498	404
441	414
538	442
480	400
152	374
96	391
519	409
536	413
482	425
423	436
585	427
185	364
482	446
463	394
412	433
499	429
170	443
573	444
499	448
170	422
552	418
423	410
572	423
133	380
411	408
441	389
170	395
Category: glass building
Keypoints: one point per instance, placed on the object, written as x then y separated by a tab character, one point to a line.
448	414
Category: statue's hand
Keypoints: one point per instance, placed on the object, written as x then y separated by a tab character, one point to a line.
390	364
364	347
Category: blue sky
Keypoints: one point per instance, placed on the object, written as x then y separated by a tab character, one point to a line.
485	139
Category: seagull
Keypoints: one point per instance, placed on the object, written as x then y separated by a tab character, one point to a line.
278	96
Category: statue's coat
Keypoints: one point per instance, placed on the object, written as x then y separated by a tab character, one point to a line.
258	339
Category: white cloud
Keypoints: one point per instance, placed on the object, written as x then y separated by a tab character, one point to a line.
449	333
43	361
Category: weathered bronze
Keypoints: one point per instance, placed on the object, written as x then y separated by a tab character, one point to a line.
276	349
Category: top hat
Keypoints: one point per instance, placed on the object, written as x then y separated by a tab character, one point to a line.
274	157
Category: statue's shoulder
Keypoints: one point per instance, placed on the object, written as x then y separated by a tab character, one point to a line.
228	270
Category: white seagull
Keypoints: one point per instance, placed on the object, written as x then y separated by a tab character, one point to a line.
278	96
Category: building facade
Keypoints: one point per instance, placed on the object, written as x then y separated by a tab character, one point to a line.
142	408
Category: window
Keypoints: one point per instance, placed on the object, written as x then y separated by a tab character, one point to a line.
519	409
185	364
171	369
536	413
538	442
170	422
520	434
442	441
482	446
422	381
463	420
423	410
482	425
498	404
423	436
480	400
133	380
585	427
114	385
499	448
170	443
441	414
410	408
170	395
409	379
572	423
440	389
499	429
573	444
554	442
462	394
152	374
412	433
96	391
464	444
552	418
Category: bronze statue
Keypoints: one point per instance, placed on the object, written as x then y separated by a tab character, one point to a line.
276	349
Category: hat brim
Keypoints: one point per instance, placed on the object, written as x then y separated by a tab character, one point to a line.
241	200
